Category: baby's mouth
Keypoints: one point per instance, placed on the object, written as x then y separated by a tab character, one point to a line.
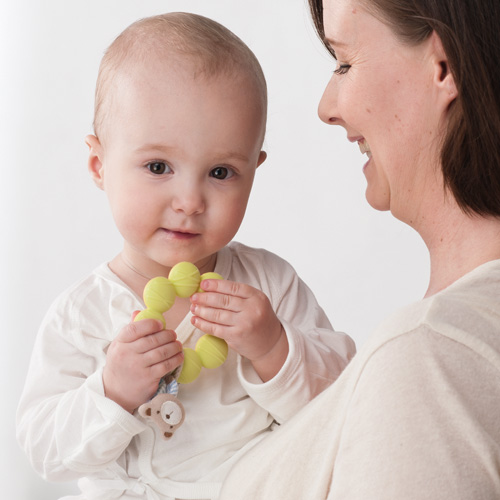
179	233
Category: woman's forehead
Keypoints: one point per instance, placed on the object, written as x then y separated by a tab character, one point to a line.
348	24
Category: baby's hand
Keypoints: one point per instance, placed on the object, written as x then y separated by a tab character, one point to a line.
244	318
141	354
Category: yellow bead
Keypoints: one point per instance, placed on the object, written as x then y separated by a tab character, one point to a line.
186	278
211	350
159	294
150	314
209	276
191	367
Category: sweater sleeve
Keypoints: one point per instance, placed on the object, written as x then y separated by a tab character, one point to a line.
317	353
65	424
422	423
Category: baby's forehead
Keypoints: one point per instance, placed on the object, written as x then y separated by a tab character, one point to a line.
150	85
135	74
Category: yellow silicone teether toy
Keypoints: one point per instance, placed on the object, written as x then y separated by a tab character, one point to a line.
211	350
185	278
191	367
159	296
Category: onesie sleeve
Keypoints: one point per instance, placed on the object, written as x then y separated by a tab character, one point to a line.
317	353
422	423
65	424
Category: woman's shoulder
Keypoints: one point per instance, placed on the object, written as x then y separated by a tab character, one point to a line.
467	313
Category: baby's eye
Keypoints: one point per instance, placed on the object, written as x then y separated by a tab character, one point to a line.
342	69
158	167
221	173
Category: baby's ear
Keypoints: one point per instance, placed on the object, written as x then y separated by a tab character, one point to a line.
95	163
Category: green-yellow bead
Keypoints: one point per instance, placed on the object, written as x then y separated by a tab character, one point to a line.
211	350
191	367
186	278
159	294
209	276
150	314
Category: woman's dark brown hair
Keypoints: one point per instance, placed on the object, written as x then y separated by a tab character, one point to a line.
470	33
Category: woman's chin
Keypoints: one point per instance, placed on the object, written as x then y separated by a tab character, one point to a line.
378	201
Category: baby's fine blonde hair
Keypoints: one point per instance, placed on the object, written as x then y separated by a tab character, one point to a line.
213	49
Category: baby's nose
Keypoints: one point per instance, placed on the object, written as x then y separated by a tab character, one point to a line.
189	200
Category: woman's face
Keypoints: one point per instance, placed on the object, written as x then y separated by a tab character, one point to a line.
382	93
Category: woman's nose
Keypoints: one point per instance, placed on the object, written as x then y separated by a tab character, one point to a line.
328	106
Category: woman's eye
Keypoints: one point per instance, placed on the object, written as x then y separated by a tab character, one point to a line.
221	173
342	69
158	167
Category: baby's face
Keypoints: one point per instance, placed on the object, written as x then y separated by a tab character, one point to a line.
179	160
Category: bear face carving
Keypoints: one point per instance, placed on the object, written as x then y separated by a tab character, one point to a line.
166	411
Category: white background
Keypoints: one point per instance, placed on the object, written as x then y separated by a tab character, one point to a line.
308	202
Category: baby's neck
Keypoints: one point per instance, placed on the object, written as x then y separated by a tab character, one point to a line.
175	315
137	281
133	278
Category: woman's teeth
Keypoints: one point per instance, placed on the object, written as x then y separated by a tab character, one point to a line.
364	148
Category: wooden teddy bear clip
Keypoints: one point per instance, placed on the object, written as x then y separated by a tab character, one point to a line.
166	411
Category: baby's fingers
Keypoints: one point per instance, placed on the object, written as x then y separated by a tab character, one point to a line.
165	366
218	309
155	340
227	287
217	329
139	329
169	356
219	300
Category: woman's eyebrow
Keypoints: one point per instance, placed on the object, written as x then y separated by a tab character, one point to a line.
333	43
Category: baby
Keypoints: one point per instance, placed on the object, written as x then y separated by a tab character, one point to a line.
179	125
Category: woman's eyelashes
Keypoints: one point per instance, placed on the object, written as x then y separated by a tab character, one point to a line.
158	167
342	69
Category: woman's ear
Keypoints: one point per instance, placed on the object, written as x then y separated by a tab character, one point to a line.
95	161
443	77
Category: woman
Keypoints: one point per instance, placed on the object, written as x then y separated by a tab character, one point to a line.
416	414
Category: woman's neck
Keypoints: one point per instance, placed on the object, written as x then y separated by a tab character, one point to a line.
458	243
